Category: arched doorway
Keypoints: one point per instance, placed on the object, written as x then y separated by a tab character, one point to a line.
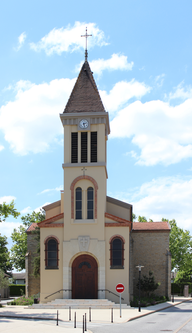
84	277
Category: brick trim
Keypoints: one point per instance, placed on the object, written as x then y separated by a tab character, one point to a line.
95	194
117	236
51	236
117	219
47	222
111	224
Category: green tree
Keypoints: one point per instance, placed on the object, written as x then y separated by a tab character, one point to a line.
133	217
5	260
180	245
148	284
142	219
183	277
4	281
8	209
19	238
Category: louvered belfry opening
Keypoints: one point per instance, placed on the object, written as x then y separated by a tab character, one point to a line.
93	147
74	147
83	147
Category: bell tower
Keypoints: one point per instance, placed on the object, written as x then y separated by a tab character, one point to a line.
86	129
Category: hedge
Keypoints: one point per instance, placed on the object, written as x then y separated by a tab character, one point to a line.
15	289
178	290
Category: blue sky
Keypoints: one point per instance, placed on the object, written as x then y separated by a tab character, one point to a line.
141	56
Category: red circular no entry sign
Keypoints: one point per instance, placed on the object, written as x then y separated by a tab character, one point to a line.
120	288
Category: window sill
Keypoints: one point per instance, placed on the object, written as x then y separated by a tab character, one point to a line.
52	267
117	267
84	221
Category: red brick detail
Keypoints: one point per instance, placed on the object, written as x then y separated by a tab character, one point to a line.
111	224
117	219
51	236
72	193
117	236
47	223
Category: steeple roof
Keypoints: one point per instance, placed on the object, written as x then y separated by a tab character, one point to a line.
85	95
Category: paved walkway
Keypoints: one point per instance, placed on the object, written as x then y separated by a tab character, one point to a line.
47	317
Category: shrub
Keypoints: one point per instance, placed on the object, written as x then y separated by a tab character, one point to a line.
15	289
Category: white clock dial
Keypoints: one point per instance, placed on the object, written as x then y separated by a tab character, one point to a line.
83	123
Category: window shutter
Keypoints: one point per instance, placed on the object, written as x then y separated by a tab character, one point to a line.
74	147
83	147
93	147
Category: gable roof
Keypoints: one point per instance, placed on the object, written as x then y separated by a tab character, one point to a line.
85	95
49	222
151	226
32	227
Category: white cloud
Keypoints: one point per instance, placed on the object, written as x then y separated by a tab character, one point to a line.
21	40
31	122
26	210
181	92
1	147
162	132
7	199
168	197
116	62
69	39
6	228
122	92
57	189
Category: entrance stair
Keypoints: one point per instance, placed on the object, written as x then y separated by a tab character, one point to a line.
79	304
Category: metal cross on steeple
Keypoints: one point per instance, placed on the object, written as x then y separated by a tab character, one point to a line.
86	36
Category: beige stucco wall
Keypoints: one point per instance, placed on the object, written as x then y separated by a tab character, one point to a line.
115	276
151	250
51	279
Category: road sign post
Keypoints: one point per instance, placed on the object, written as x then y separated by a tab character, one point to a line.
120	288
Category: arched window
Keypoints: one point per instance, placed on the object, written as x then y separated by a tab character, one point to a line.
78	205
90	195
117	253
51	253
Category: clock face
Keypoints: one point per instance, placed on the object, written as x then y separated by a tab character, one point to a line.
83	123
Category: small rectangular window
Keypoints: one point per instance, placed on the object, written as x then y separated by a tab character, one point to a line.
74	147
93	147
83	147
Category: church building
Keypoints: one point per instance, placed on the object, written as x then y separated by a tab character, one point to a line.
88	241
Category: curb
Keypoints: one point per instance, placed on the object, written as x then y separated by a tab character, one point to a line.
153	311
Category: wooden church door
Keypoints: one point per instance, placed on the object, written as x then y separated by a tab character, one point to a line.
84	277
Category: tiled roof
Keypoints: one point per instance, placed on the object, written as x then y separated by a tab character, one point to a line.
48	222
151	226
32	227
85	96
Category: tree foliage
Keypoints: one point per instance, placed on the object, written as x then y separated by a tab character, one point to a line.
5	260
4	281
183	277
19	238
180	245
8	209
148	284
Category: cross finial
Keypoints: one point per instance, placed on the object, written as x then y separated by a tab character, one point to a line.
86	36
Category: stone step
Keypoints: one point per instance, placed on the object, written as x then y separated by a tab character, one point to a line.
79	304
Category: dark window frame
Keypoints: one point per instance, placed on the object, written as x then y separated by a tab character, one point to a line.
74	147
84	144
90	211
112	254
93	147
78	211
47	266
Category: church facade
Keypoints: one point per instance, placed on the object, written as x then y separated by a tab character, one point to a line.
88	241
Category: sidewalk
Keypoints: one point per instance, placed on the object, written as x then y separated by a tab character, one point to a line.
48	316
